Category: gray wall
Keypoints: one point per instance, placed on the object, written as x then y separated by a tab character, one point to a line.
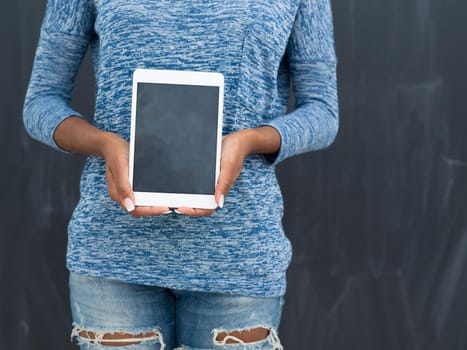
377	221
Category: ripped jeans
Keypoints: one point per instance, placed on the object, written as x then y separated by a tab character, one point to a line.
154	318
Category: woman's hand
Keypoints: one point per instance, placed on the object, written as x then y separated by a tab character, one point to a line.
75	134
235	148
116	151
234	152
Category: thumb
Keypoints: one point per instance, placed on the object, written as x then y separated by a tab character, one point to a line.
224	183
122	188
125	194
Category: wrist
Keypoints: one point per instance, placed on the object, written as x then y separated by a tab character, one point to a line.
106	143
264	140
247	140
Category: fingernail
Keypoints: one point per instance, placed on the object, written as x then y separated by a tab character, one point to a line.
129	205
221	201
177	212
167	212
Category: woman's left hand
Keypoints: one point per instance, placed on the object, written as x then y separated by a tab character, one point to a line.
235	148
234	151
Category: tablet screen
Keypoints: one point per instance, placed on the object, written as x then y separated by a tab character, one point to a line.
175	138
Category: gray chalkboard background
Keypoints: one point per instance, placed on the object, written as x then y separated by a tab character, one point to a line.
378	221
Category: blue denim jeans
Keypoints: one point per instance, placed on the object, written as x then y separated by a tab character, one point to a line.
167	319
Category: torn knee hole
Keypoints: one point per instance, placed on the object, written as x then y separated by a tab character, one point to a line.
116	338
241	336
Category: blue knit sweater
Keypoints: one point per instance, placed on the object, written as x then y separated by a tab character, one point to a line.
259	45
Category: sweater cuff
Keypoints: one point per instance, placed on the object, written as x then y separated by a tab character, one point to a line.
283	127
53	118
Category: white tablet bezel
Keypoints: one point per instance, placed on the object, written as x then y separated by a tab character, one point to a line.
176	200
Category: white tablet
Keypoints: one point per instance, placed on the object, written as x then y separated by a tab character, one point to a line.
176	136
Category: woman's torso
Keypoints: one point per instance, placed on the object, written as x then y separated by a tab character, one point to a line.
243	242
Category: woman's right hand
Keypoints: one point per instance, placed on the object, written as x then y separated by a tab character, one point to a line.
116	152
74	134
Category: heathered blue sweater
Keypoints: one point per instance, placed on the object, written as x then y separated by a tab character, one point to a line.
258	45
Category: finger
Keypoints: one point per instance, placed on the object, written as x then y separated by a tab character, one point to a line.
122	191
111	184
194	211
122	185
120	194
222	189
224	183
150	211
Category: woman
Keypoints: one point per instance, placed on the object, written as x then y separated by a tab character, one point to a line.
147	277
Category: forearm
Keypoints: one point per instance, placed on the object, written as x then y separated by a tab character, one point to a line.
262	140
76	135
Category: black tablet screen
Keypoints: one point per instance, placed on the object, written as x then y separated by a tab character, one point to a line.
175	138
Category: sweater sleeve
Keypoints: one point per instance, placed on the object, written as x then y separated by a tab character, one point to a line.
313	124
66	31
